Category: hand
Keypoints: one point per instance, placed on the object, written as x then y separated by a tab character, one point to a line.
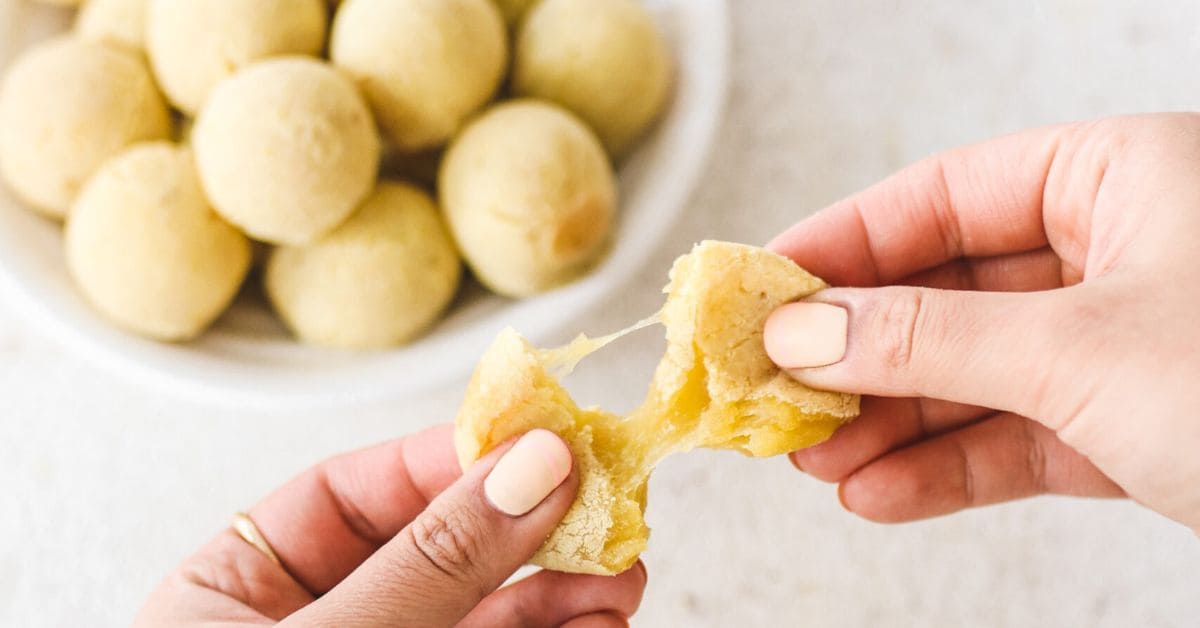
1048	275
392	535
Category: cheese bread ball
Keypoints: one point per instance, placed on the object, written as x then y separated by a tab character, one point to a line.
715	387
424	65
121	22
61	3
148	251
513	10
374	282
605	60
286	149
193	44
66	106
530	196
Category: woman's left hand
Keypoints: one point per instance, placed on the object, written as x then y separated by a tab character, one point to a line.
397	535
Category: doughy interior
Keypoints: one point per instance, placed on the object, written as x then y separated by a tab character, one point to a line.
714	388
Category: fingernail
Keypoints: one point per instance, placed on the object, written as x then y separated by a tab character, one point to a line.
841	493
805	335
528	472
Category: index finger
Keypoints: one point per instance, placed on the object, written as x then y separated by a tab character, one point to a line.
979	200
327	521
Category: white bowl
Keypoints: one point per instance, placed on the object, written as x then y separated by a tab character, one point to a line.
248	359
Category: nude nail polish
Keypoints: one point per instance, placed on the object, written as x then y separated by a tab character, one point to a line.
527	473
806	335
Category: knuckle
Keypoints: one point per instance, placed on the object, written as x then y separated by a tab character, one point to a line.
970	497
227	568
897	323
1035	457
448	542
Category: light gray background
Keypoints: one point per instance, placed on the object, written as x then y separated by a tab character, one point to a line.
104	487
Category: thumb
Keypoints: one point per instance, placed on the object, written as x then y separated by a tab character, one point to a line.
470	539
990	349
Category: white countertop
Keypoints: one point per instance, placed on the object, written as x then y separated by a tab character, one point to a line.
106	486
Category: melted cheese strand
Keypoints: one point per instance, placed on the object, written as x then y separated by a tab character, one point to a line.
561	361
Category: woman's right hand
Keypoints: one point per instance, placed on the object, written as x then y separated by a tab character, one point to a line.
1049	275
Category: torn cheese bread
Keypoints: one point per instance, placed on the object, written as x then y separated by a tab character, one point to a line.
715	387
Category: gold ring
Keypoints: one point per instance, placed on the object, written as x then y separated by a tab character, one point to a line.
244	526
